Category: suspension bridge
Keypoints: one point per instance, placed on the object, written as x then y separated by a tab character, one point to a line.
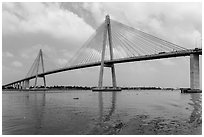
113	43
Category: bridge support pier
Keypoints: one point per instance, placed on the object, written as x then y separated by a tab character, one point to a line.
17	85
21	85
43	81
194	71
26	84
113	76
100	85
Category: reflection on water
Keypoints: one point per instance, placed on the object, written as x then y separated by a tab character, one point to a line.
111	109
59	113
196	115
100	100
39	110
36	103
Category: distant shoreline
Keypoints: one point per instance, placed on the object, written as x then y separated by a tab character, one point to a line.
85	88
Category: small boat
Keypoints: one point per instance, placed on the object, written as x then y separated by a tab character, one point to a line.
188	90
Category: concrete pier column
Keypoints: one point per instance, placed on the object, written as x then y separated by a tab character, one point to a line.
17	85
44	81
26	84
22	84
194	71
113	76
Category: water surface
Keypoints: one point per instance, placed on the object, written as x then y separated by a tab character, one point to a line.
86	112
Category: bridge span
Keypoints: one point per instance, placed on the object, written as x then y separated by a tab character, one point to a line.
117	61
124	44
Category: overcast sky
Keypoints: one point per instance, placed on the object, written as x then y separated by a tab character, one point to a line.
59	29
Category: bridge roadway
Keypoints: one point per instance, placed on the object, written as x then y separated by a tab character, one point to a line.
116	61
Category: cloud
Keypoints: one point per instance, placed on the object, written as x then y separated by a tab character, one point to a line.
8	71
52	57
16	64
7	54
46	18
179	23
62	62
67	54
97	11
32	52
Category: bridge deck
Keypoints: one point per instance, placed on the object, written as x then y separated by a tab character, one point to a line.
122	60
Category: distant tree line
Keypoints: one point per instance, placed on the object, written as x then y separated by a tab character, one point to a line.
89	88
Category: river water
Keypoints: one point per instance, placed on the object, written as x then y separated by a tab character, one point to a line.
86	112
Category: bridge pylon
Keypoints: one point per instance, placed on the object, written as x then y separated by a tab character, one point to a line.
40	60
107	33
34	71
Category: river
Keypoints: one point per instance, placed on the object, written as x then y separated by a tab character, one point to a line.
77	112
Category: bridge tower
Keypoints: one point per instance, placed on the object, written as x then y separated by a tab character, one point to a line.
40	60
34	71
194	71
107	33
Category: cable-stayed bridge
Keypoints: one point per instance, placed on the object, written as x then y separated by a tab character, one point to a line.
113	43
